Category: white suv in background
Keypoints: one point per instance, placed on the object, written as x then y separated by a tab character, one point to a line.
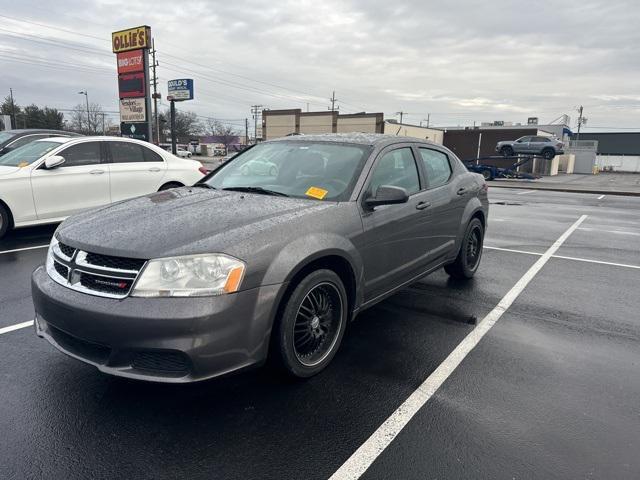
47	180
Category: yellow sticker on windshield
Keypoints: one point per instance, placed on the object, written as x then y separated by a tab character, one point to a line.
316	192
23	164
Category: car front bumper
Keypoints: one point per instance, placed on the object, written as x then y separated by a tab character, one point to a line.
173	340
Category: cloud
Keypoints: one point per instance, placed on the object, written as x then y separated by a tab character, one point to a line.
461	61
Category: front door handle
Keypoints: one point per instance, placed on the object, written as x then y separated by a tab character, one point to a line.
96	172
423	205
154	169
461	191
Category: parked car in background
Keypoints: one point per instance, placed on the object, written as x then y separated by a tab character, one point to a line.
198	282
548	147
49	179
12	139
182	152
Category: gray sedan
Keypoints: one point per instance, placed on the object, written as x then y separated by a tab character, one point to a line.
195	282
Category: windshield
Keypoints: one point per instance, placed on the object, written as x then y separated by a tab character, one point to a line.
4	136
322	171
27	154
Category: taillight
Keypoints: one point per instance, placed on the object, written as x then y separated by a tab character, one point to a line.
203	170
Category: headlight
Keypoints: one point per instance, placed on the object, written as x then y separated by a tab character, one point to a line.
49	261
190	276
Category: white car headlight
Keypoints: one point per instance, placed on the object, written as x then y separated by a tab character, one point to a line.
190	276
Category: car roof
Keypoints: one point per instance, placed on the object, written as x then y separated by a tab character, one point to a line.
371	139
25	131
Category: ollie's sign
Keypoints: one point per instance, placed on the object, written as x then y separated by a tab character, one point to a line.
129	62
131	39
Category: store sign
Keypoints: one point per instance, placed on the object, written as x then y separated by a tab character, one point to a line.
131	39
133	110
181	89
132	61
132	85
139	131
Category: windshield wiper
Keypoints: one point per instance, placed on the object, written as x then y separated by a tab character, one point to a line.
264	191
204	185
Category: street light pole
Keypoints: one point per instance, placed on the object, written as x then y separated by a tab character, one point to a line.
86	96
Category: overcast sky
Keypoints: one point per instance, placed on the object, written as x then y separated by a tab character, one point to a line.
459	61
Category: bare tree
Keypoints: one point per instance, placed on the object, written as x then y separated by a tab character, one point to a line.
90	124
227	134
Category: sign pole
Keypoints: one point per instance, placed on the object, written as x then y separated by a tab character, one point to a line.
174	149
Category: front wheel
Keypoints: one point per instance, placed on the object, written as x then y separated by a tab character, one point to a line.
506	151
312	324
466	263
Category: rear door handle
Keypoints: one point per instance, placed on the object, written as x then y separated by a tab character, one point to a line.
423	205
96	172
154	169
461	191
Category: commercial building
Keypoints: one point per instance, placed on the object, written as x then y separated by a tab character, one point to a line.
616	151
280	123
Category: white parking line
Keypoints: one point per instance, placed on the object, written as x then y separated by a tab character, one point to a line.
364	456
528	191
577	259
23	249
18	326
600	197
619	232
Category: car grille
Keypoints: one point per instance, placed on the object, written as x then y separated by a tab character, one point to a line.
89	350
67	250
120	263
93	273
167	363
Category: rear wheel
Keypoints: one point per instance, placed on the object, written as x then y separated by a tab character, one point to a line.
548	153
312	324
486	174
468	259
5	220
506	151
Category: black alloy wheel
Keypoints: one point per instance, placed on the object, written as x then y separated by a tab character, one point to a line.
548	153
5	220
309	331
468	260
486	174
317	324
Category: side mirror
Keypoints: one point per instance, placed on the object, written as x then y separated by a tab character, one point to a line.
53	162
387	195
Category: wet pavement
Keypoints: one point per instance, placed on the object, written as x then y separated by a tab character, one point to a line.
550	392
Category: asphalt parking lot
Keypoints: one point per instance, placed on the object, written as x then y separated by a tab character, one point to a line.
551	390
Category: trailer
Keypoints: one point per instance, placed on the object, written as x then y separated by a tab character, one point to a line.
490	172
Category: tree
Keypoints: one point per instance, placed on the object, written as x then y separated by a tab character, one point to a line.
226	134
88	124
187	124
9	108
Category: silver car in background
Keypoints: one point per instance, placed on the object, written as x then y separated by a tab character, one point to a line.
548	147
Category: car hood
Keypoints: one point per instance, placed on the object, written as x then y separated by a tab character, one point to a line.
5	170
183	221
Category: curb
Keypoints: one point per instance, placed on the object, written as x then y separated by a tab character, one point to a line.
567	189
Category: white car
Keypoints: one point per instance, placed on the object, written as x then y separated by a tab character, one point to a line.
183	153
47	180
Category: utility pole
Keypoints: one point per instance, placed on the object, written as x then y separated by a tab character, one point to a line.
255	110
580	121
401	115
86	97
246	132
103	130
155	89
174	148
13	110
426	120
333	101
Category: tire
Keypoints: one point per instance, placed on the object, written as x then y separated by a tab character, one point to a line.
486	174
273	171
548	153
506	151
309	331
5	220
188	155
244	170
170	185
466	263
